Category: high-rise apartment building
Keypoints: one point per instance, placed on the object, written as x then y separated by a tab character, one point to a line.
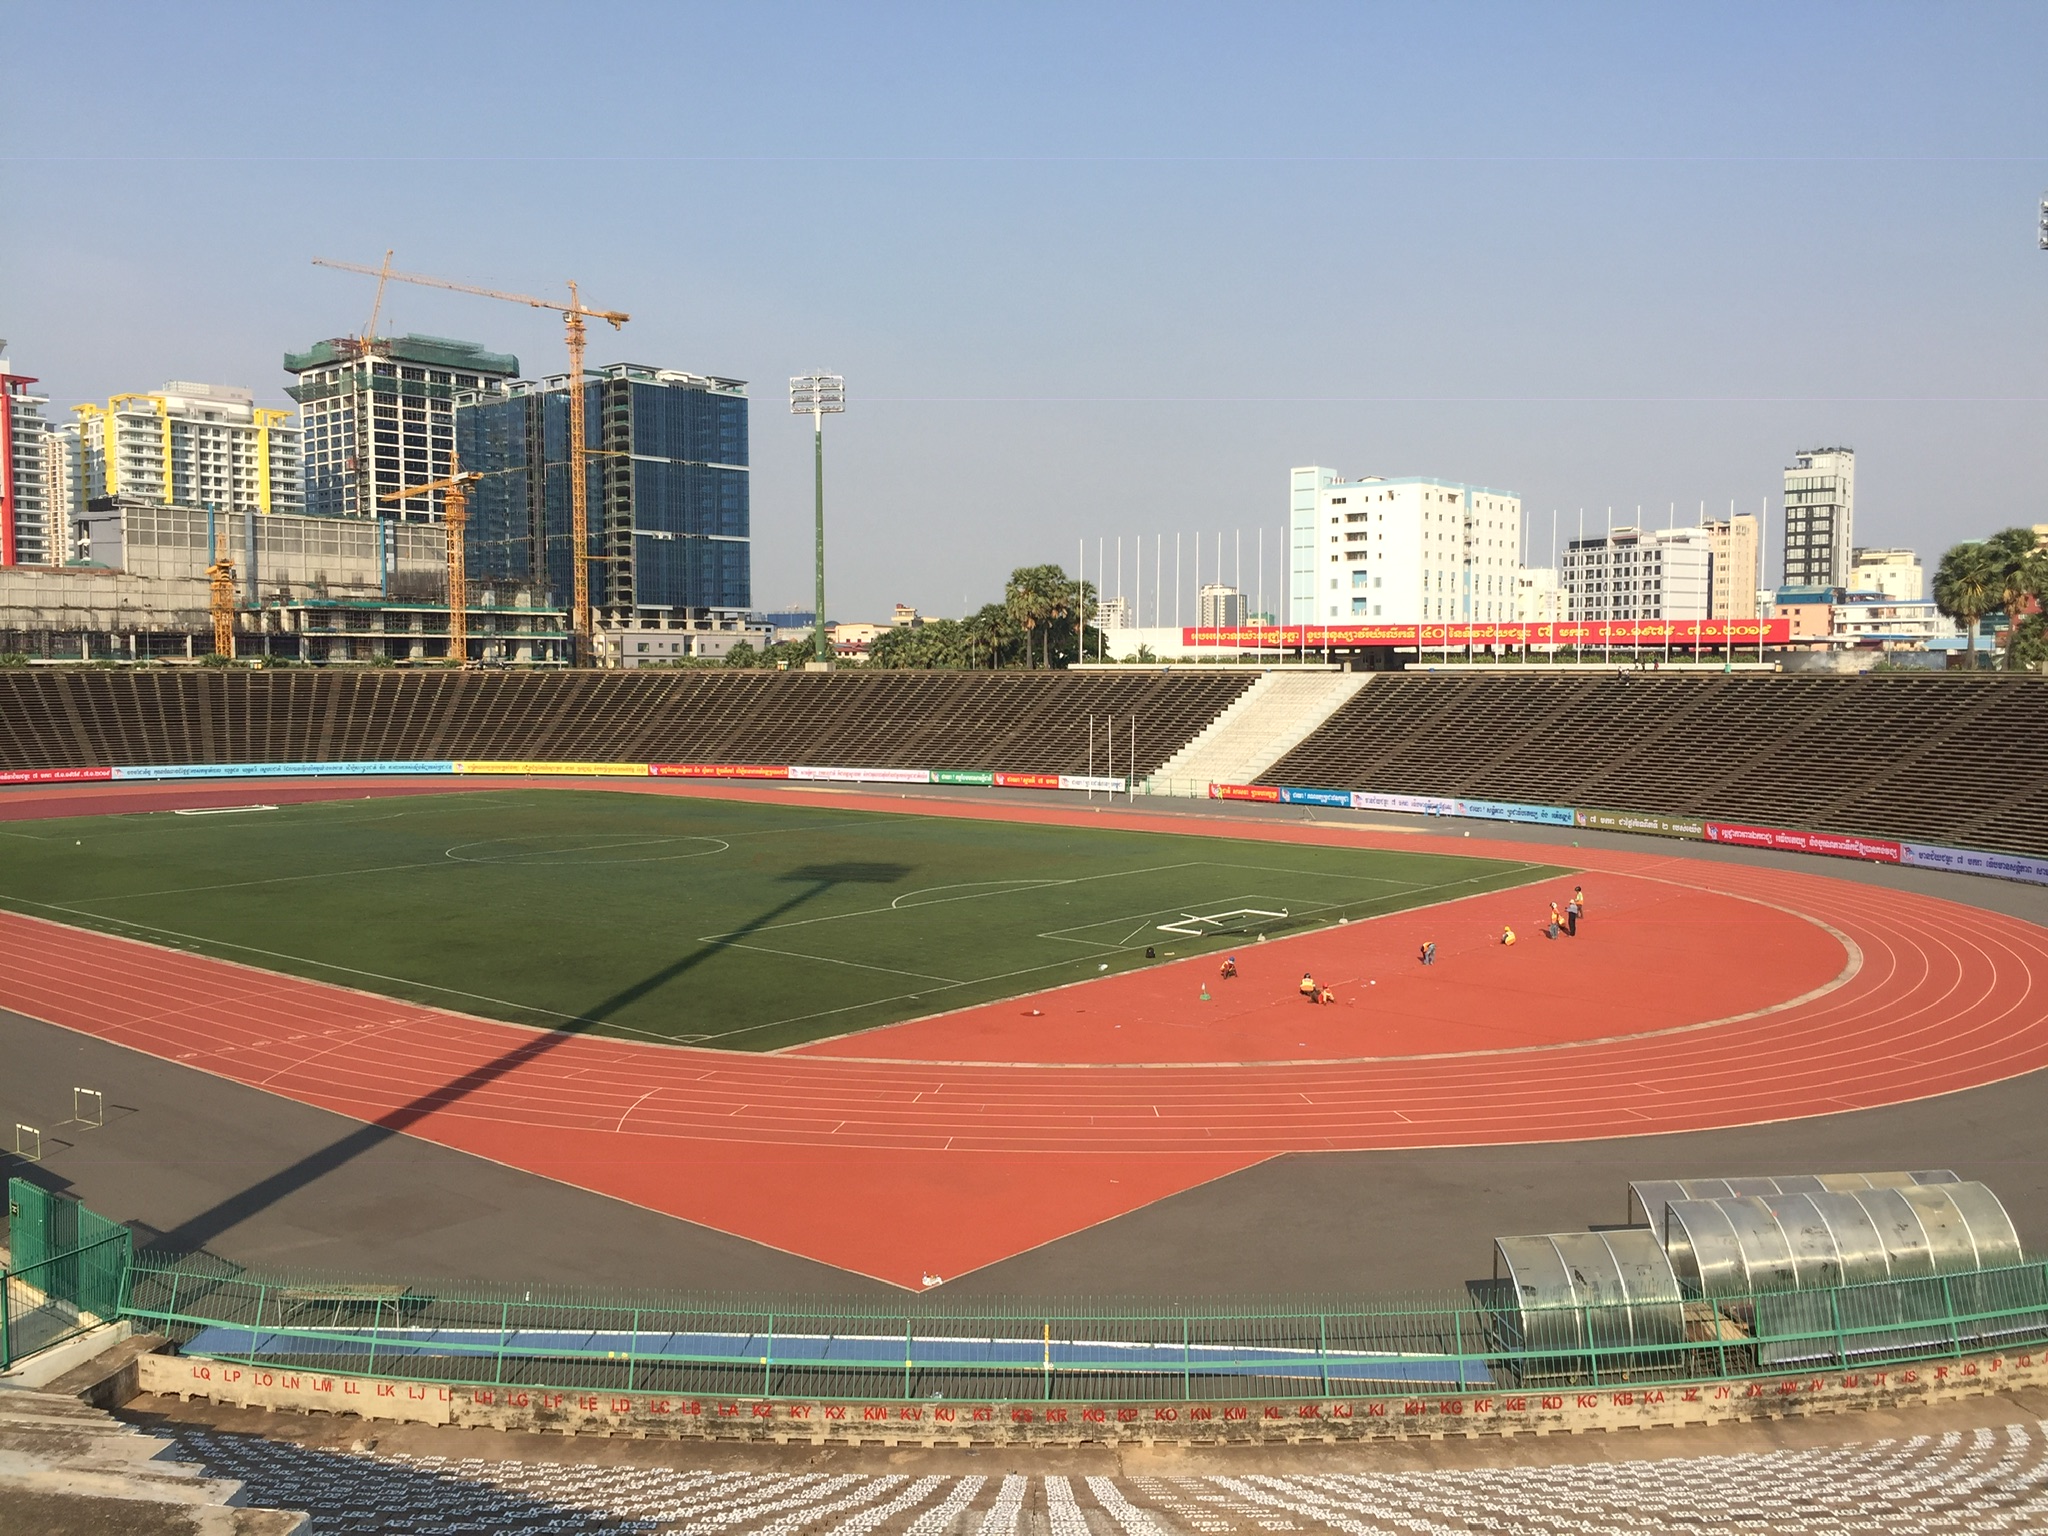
1736	547
29	530
1820	516
1407	551
1635	573
379	417
669	492
1897	573
189	445
1218	605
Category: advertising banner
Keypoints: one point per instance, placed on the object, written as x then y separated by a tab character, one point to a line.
1653	634
55	775
1509	810
1835	844
1967	861
1406	805
567	770
275	770
1340	797
1642	821
1265	793
1097	783
1027	781
980	776
865	775
717	771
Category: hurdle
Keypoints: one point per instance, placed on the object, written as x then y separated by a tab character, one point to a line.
83	1099
32	1154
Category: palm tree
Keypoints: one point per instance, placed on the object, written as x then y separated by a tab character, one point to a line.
1967	585
2023	567
1036	596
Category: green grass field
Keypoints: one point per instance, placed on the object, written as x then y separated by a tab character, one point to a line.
741	925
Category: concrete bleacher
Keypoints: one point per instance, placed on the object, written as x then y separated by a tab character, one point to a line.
68	1469
1022	721
1987	1478
1932	759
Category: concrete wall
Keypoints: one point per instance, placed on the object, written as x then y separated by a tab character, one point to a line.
639	1414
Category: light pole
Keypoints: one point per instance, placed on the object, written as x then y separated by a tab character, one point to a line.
818	395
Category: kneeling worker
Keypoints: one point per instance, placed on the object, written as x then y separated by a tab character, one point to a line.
1309	989
1507	937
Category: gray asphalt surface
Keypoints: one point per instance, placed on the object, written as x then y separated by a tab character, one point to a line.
179	1143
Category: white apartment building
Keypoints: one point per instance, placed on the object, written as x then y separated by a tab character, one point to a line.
30	533
1820	517
1896	573
380	417
1635	573
1539	597
1113	613
188	445
1220	606
1736	545
1403	551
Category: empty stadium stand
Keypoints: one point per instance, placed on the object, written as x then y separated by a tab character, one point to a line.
1954	760
1021	721
1927	1483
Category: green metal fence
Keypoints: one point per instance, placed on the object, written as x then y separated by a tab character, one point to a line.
67	1271
1112	1350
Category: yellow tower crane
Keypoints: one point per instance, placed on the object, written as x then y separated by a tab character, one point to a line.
573	314
455	518
221	602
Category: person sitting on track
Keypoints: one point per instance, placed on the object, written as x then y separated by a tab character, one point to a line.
1309	989
1229	968
1327	998
1507	937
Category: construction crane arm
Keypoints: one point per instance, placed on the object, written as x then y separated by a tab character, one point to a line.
616	318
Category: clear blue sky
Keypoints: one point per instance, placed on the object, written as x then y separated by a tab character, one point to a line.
1100	269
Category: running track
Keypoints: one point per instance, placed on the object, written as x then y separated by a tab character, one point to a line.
905	1162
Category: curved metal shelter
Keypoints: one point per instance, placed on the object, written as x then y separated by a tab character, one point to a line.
1780	1263
1740	1244
1648	1197
1611	1295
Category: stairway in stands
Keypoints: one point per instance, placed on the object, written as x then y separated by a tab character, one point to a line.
71	1468
1261	726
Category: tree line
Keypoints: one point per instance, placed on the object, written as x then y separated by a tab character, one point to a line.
1045	620
2005	574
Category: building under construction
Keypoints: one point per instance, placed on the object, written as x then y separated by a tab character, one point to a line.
313	589
377	416
668	485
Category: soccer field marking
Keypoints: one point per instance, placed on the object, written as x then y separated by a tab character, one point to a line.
201	943
794	954
837	917
1193	926
967	885
549	853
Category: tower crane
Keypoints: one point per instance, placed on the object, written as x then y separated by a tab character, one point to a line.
221	601
573	315
455	518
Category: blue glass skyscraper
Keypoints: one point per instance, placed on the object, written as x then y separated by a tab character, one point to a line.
670	526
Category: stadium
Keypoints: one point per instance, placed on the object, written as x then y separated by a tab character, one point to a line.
1207	1097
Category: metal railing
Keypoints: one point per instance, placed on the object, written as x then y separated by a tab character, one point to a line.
1102	1350
54	1299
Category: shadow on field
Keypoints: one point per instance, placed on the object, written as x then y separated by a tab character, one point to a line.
203	1228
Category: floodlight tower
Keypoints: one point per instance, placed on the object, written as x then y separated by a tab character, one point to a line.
819	395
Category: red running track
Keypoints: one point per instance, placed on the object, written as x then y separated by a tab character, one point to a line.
1904	997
